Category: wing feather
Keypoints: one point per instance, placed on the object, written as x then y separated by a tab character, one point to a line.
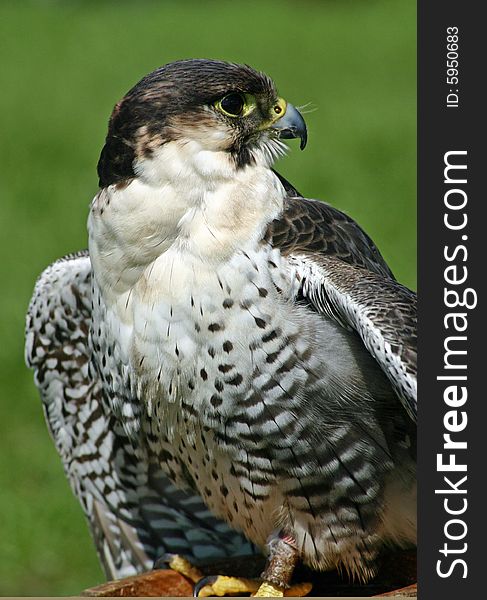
134	512
382	311
316	227
344	277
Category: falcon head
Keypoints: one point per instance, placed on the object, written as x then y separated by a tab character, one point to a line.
199	105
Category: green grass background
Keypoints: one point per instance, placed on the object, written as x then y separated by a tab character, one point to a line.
63	66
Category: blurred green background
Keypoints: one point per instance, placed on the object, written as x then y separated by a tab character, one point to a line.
63	66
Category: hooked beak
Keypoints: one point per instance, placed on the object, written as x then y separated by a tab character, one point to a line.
292	125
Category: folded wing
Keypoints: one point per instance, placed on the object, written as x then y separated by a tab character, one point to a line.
134	512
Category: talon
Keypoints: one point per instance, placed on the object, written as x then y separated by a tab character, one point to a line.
163	561
204	587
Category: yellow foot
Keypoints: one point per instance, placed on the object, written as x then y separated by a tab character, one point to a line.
269	590
181	565
221	585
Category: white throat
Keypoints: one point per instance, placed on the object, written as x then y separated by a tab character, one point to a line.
186	199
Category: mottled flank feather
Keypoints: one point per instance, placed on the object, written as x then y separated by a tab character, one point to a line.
134	512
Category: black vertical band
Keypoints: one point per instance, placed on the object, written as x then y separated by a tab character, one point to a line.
452	165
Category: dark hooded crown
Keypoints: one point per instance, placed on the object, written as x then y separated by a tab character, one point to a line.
179	88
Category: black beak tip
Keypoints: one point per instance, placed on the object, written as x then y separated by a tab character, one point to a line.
294	132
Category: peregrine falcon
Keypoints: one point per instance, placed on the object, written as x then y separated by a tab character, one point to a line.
230	367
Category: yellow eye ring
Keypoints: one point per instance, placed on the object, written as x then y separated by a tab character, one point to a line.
232	104
236	104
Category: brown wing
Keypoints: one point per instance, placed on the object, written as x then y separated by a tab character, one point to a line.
313	226
344	277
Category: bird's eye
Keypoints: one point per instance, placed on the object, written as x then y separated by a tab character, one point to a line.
232	104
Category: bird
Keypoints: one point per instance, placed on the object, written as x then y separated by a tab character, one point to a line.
230	368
